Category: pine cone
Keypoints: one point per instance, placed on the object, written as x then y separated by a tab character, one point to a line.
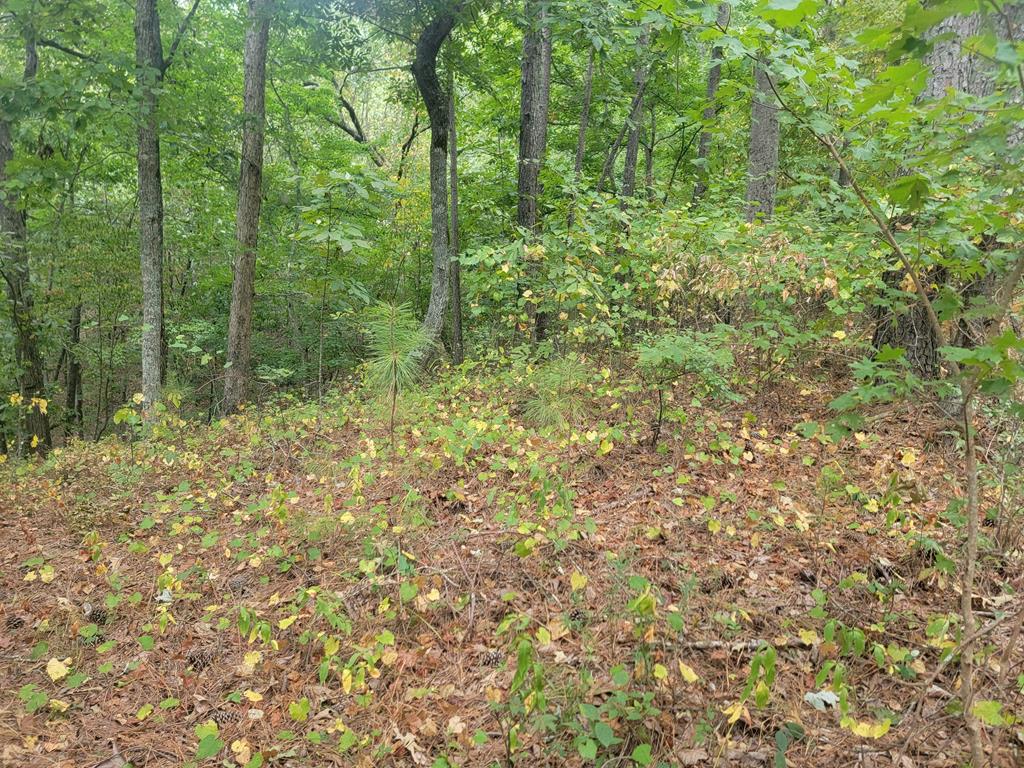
13	622
200	657
493	658
225	716
577	615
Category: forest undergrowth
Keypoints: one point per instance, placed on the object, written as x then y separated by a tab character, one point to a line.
283	587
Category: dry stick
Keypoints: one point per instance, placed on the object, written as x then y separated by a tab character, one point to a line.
967	389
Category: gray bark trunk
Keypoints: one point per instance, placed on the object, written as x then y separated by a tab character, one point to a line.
636	115
533	112
951	68
710	107
534	97
763	157
424	69
458	353
247	216
14	266
149	63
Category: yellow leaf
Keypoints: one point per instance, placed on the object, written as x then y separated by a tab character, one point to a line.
605	447
286	622
578	581
660	672
866	730
346	680
809	637
714	525
241	750
735	712
249	662
56	669
839	335
909	459
543	636
687	672
433	595
47	574
59	706
253	696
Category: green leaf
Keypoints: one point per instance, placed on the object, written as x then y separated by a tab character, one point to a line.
642	754
605	734
209	746
786	13
989	712
587	749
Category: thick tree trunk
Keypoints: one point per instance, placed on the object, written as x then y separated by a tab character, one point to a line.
535	93
710	107
14	266
458	352
951	69
74	421
763	157
247	215
636	116
424	70
149	64
581	138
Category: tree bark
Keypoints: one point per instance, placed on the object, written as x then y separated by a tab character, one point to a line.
149	63
710	107
951	69
14	266
581	138
535	91
458	351
74	421
424	70
636	115
763	157
247	215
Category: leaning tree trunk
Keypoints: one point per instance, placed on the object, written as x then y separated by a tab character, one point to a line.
14	266
951	69
424	70
149	63
763	157
247	216
533	129
636	116
710	107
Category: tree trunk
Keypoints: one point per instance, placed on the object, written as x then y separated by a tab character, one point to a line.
581	138
424	70
951	68
649	156
14	266
247	215
534	97
458	352
763	158
149	64
710	107
74	422
635	121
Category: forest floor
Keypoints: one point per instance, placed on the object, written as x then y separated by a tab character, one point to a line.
285	588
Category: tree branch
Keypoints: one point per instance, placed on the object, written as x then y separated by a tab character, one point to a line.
182	28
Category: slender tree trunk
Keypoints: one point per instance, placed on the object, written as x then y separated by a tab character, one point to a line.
424	69
581	138
149	63
14	267
458	352
247	216
534	97
636	115
74	422
710	107
763	158
649	156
